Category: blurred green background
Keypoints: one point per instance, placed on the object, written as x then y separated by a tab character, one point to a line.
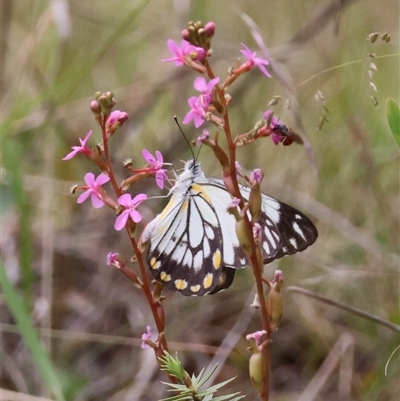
88	317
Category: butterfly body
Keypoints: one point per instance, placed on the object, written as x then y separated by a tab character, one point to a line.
193	247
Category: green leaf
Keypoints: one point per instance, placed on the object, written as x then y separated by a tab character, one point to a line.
219	385
179	397
393	116
173	366
29	334
201	380
228	397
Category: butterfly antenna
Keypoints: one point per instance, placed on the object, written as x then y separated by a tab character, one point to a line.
187	141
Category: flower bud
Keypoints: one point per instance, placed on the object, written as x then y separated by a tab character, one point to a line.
255	194
258	235
95	107
241	233
255	203
113	260
106	102
186	35
256	360
115	120
256	370
210	29
275	301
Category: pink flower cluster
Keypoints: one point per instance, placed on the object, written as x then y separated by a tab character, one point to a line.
97	194
184	53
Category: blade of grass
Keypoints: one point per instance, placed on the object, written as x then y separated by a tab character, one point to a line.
393	116
12	157
30	336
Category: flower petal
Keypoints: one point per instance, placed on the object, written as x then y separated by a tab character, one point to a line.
82	197
96	201
125	200
159	157
102	179
89	179
121	220
148	156
138	199
135	215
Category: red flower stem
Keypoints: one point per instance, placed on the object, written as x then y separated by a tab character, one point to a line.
257	270
154	305
110	170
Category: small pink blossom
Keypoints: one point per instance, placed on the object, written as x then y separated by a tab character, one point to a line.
209	28
115	120
203	137
256	336
257	232
267	116
279	131
278	276
92	189
252	60
183	51
256	176
197	113
277	137
156	164
113	260
234	203
130	206
80	149
146	336
201	85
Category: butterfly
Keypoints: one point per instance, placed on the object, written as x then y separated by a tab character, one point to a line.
193	247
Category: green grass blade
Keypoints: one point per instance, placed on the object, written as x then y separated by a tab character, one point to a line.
12	153
29	334
393	116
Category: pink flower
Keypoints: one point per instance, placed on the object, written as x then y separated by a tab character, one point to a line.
80	149
234	203
183	51
146	336
267	116
156	164
203	137
256	176
200	84
252	60
115	120
130	210
256	336
279	131
209	28
277	137
257	232
278	276
112	260
197	113
92	189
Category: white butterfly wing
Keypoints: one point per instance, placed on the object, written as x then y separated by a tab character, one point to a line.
285	229
186	245
193	244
